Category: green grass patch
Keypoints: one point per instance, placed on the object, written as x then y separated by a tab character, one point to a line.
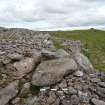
57	44
93	40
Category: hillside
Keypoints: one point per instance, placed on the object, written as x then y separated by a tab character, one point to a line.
94	43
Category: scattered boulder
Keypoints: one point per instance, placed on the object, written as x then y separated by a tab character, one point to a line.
25	66
53	71
84	62
8	92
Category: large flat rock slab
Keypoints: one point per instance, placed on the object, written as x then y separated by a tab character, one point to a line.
52	71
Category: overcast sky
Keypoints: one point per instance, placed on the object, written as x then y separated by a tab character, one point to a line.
52	14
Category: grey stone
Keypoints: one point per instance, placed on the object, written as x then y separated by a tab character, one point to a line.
6	61
31	101
60	53
83	96
74	100
16	100
97	102
25	66
78	73
95	80
46	54
93	75
15	56
102	84
100	89
52	99
8	92
72	90
66	102
53	71
84	62
63	84
25	90
2	52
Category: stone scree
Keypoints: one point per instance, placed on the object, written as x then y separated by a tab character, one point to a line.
33	72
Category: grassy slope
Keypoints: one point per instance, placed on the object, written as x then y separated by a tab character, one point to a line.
93	40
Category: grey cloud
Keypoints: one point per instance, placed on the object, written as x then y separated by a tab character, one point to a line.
41	14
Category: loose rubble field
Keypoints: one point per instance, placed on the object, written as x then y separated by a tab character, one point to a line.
34	72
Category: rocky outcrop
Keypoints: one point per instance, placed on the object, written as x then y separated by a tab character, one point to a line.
53	71
33	72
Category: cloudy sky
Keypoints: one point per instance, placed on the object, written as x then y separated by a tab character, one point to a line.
52	14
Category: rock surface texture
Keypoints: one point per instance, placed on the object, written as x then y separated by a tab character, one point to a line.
34	72
52	71
8	92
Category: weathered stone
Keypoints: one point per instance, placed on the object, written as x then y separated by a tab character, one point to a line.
16	100
31	101
102	84
15	56
93	75
74	100
65	101
101	91
95	80
60	53
24	66
8	92
46	54
97	102
63	84
25	90
6	61
52	98
2	52
78	73
72	90
84	62
53	71
83	96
